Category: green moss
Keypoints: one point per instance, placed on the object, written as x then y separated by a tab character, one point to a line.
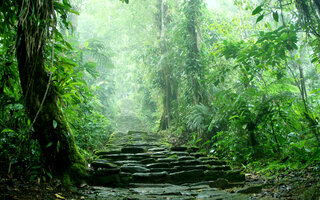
313	192
75	175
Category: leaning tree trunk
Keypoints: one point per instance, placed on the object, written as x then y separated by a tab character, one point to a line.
57	144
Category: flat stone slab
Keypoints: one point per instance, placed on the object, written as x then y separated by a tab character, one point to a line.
158	165
189	176
104	152
179	153
162	192
114	157
185	163
179	149
151	177
133	169
198	154
133	150
162	170
148	161
100	163
123	162
157	149
105	171
191	167
220	167
213	162
166	160
186	158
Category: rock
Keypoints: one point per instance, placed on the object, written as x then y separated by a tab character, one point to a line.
221	167
190	176
157	149
124	162
178	148
160	154
150	185
125	179
185	163
213	175
158	165
105	171
251	189
138	156
171	190
209	161
133	169
162	170
151	177
220	183
133	150
114	157
198	155
178	153
108	180
190	167
148	161
99	153
102	164
166	160
186	158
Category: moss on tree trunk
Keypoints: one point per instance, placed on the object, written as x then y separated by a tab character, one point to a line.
58	148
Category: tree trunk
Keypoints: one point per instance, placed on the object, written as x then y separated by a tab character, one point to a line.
169	90
193	65
58	149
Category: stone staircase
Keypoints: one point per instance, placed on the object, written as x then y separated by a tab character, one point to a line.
140	160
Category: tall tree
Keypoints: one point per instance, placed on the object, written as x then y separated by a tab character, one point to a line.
35	31
194	70
169	85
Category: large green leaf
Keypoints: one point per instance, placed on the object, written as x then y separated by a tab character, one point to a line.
257	10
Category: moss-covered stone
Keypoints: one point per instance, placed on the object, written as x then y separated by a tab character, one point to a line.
103	164
190	176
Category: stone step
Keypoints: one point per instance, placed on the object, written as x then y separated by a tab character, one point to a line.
179	149
189	176
131	149
138	159
133	169
185	163
162	169
102	164
158	165
125	156
157	149
184	168
151	177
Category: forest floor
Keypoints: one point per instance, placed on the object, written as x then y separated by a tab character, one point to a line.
301	184
287	184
